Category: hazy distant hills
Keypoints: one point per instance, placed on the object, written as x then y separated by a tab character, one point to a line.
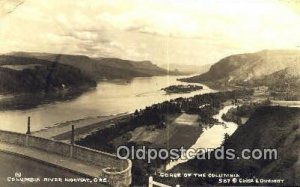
189	69
244	68
102	68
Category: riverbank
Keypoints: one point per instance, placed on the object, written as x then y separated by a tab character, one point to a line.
83	127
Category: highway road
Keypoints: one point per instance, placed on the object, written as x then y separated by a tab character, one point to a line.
11	165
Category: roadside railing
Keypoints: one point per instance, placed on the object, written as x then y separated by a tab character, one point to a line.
120	176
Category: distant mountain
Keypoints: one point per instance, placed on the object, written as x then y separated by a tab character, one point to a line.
24	74
189	69
101	68
243	68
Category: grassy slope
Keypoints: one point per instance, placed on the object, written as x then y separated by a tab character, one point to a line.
250	66
246	69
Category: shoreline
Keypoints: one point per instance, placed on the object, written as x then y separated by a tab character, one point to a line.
84	126
26	101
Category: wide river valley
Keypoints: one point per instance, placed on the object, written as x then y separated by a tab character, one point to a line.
109	98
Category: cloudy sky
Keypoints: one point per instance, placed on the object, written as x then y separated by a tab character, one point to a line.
163	31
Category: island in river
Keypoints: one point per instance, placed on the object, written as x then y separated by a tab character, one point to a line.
181	88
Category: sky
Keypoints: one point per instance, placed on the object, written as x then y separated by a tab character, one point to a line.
192	32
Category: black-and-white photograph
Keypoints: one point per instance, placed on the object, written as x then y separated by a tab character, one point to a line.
149	93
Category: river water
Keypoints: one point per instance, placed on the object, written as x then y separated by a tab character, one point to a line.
108	98
211	138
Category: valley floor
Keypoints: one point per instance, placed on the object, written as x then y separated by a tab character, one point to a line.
180	130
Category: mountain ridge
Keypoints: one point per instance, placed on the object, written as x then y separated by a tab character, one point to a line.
101	68
249	66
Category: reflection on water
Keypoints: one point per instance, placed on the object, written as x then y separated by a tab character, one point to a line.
107	99
212	137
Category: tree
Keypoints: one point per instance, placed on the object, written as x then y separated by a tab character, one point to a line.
136	113
226	137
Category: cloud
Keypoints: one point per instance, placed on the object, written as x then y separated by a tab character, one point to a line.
8	7
190	31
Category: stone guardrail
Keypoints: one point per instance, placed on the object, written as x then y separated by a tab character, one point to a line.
118	172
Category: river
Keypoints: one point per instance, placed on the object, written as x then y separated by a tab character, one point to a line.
211	138
109	98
